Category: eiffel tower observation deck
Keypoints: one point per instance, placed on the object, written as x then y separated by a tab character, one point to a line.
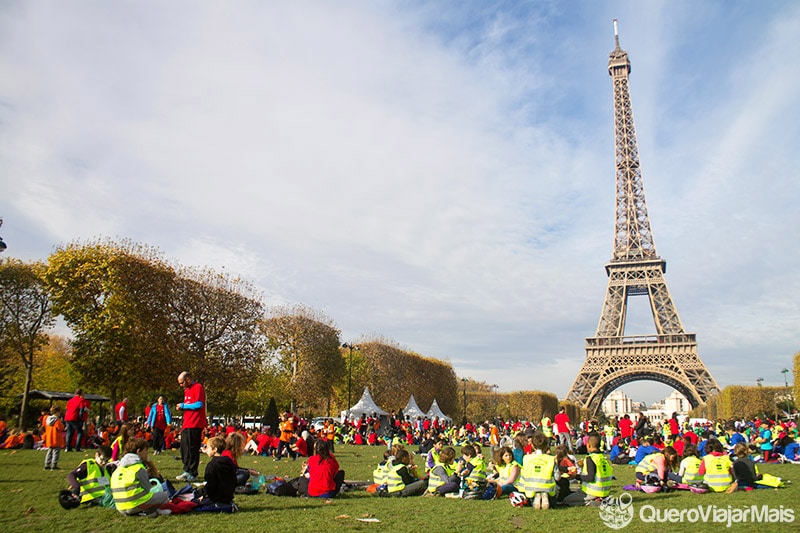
635	269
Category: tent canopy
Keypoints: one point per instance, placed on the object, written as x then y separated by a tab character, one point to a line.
366	405
53	396
436	412
412	410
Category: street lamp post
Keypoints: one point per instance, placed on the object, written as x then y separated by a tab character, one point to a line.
351	347
494	401
464	381
786	383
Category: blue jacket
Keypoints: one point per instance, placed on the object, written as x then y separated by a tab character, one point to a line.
151	418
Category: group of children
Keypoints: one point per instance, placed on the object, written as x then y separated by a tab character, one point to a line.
133	485
528	474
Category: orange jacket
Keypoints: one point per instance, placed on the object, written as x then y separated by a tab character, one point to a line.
54	435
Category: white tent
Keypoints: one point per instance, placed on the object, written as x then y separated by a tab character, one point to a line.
412	410
366	405
436	412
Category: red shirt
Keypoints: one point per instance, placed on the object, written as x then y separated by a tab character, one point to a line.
320	475
562	421
73	412
625	428
121	412
194	418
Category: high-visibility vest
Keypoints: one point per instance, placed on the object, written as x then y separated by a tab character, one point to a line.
381	473
478	474
718	472
546	426
439	475
647	465
600	486
91	488
393	480
537	474
435	456
125	488
691	474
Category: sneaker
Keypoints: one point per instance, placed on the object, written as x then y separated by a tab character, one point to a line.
190	478
162	512
183	477
545	501
537	501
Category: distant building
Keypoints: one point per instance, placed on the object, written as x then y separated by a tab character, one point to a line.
617	404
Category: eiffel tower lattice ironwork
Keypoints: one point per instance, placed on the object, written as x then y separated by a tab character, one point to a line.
612	358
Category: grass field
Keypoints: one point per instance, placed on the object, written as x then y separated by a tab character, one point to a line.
28	502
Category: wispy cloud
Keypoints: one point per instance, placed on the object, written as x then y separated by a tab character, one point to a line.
441	174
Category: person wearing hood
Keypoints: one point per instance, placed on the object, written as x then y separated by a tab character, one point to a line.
133	490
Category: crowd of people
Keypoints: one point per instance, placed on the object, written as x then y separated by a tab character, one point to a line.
529	463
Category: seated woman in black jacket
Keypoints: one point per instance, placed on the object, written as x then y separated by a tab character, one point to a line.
220	479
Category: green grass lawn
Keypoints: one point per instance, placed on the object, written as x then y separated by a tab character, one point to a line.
28	502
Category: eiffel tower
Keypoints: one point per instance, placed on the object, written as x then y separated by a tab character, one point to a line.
612	358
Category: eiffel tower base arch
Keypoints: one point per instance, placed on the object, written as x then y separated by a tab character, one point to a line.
614	361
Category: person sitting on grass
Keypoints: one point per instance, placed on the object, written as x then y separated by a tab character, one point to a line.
508	470
689	469
716	468
321	476
131	482
655	467
234	448
443	478
401	479
540	473
89	479
745	470
567	470
596	477
473	472
220	479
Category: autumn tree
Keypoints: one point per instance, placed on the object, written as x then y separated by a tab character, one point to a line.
109	294
213	321
305	343
25	314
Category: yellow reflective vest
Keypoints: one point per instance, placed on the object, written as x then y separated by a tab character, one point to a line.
718	472
439	475
125	488
91	486
538	474
691	469
600	486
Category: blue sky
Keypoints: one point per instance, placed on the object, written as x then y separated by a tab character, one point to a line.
438	173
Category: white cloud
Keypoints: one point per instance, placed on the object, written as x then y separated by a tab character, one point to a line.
439	175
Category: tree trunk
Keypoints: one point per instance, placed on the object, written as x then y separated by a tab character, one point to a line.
24	407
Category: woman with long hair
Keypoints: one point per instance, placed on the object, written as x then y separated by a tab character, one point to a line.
321	477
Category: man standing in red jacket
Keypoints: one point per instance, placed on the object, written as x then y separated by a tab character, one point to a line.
74	419
194	420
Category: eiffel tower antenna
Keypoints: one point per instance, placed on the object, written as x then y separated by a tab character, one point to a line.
613	358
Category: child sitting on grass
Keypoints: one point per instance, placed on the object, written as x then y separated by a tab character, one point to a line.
596	479
443	478
401	480
90	479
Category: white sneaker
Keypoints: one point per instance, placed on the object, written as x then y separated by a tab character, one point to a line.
545	501
183	477
537	501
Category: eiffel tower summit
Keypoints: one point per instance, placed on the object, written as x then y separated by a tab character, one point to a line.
612	357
